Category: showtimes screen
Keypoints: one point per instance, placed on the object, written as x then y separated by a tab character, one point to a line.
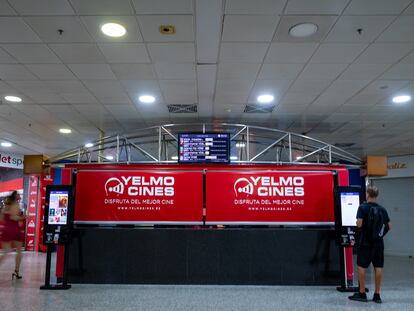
58	207
204	148
349	207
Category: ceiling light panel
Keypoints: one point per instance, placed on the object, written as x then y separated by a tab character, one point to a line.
113	30
287	23
93	25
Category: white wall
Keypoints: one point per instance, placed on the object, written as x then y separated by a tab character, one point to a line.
396	195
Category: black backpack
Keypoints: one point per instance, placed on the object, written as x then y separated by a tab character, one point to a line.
377	227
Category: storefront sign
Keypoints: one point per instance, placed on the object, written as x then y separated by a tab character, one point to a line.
303	198
139	197
402	166
11	160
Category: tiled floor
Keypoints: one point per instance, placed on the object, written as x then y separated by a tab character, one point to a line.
398	293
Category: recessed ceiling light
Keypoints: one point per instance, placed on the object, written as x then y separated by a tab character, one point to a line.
88	145
113	30
13	99
240	145
65	131
174	158
233	158
6	144
265	98
147	99
109	157
303	30
401	99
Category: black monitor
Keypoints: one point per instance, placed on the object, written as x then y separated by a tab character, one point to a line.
58	214
347	201
204	148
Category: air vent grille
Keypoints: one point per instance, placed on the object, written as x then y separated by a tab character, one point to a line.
182	108
258	109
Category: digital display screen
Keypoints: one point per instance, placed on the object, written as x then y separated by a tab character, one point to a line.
58	207
349	207
204	148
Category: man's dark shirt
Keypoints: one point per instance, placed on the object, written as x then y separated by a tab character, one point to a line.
363	212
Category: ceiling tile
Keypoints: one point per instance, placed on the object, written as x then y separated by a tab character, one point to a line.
400	72
243	52
280	71
275	87
252	28
6	58
363	71
333	7
409	10
184	26
179	91
42	7
47	29
337	53
92	71
94	23
30	86
72	86
309	86
133	71
297	98
384	53
238	71
271	7
32	53
163	7
78	53
6	9
324	24
233	91
108	91
172	52
376	7
345	29
409	59
15	72
51	71
290	52
322	71
102	7
401	30
125	52
47	98
14	29
167	71
79	98
124	112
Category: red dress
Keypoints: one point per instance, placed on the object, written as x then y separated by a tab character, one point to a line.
11	230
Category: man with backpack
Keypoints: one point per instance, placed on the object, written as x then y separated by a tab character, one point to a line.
373	224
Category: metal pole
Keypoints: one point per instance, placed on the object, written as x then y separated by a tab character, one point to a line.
100	153
248	144
159	144
290	147
117	148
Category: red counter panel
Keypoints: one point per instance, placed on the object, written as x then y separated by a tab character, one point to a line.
264	197
133	197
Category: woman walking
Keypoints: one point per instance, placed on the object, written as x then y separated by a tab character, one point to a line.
12	235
